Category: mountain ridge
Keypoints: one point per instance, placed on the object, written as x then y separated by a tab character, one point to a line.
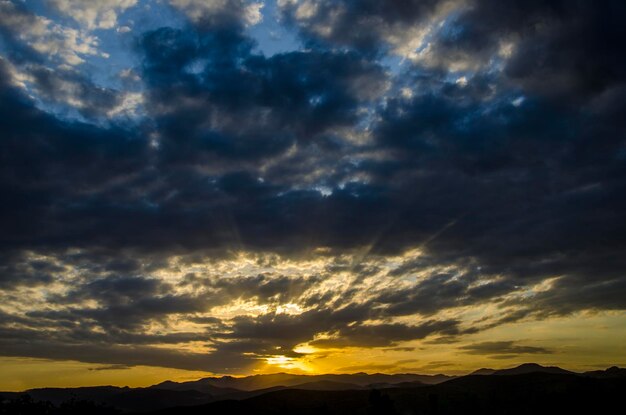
206	391
525	368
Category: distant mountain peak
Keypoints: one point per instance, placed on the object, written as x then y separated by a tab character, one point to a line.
612	372
483	371
531	368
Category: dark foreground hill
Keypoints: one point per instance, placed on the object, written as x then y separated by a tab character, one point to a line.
533	393
527	389
122	399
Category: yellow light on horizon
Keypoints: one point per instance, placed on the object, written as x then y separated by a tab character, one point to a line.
288	363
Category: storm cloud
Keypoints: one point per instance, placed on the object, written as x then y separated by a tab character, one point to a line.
405	164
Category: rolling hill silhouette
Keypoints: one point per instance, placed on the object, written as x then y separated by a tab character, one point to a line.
256	382
532	368
525	389
612	372
483	371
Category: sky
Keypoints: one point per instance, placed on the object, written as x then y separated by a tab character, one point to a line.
210	187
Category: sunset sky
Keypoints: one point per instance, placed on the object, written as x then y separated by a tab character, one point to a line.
207	187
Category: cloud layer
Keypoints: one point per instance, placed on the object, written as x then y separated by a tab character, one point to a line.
219	207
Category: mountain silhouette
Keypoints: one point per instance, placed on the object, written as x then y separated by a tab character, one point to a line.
530	393
531	368
525	389
483	371
255	382
612	372
327	385
202	385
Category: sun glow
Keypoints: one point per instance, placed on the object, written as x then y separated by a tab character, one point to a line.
289	363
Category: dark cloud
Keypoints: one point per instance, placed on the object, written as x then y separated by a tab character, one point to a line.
384	335
133	355
399	349
110	367
15	271
215	101
441	291
280	289
503	349
566	49
60	88
568	295
361	24
44	57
